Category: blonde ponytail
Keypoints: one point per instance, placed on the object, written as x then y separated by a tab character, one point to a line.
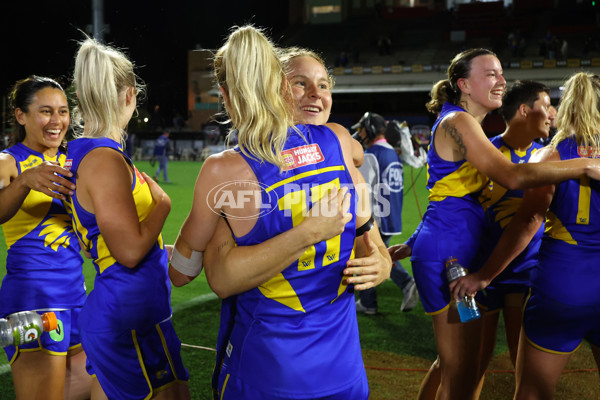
258	102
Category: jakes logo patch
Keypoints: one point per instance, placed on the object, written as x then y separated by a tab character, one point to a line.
68	164
588	151
301	156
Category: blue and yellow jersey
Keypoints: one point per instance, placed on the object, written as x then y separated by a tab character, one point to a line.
123	298
569	260
296	335
500	206
454	219
43	264
450	178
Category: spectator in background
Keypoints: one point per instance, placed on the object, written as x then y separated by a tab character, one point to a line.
382	170
162	148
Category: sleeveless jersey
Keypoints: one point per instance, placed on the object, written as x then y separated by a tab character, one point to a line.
500	206
453	222
122	298
388	190
569	260
296	336
43	264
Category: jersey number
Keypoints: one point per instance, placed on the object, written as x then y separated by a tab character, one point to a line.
297	204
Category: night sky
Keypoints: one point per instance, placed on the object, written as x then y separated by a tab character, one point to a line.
41	37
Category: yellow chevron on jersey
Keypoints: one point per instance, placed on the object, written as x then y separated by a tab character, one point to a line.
506	209
280	290
34	211
462	182
555	229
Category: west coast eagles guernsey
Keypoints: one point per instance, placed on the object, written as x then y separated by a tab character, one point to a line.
122	298
43	264
296	336
569	259
453	222
500	206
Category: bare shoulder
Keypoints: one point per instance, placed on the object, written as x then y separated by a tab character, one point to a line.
226	165
341	132
460	121
8	166
547	153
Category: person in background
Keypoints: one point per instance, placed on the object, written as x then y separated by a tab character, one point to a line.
118	213
43	261
162	148
300	297
526	110
564	302
382	170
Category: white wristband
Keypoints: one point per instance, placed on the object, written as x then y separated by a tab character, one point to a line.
187	266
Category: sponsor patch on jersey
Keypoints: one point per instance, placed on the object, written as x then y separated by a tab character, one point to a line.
302	156
68	164
588	151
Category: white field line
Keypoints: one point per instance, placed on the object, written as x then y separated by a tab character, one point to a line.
5	367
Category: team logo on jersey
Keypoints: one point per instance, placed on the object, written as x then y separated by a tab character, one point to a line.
236	195
301	156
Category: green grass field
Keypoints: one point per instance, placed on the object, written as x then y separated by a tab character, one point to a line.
397	347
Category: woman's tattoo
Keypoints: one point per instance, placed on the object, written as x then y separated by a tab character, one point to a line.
222	245
451	131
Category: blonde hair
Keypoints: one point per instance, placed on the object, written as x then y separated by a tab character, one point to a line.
579	111
289	54
101	75
247	67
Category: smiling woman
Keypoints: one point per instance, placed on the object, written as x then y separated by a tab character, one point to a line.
43	262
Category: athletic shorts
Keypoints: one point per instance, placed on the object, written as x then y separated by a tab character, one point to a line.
430	277
133	364
492	298
559	328
235	389
57	342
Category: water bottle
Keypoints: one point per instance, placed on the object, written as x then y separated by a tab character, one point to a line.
25	327
467	308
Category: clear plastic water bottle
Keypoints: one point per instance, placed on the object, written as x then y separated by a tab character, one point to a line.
25	327
467	308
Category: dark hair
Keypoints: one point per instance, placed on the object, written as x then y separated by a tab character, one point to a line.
521	92
447	90
21	96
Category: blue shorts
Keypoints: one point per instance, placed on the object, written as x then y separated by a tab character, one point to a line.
430	277
235	389
58	342
493	297
559	328
133	364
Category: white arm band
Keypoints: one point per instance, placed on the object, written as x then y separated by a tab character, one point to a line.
187	266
